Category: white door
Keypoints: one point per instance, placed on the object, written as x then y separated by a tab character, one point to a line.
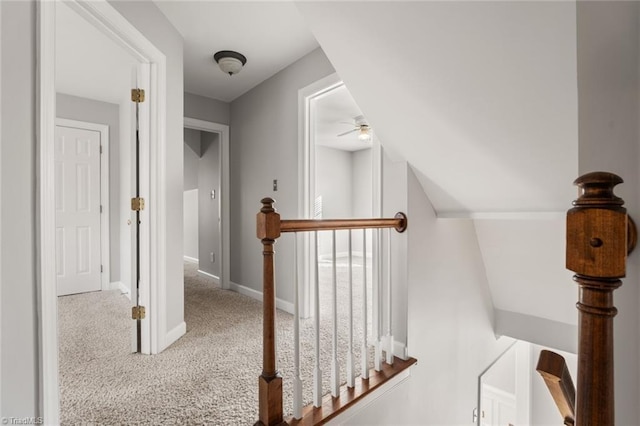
77	186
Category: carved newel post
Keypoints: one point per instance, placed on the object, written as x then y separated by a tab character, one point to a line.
270	381
599	236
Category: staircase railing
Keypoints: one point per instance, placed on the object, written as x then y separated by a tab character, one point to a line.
600	234
269	229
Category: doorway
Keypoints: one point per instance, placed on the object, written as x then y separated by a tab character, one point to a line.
340	168
206	206
151	73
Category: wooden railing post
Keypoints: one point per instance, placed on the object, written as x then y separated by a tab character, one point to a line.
597	247
270	381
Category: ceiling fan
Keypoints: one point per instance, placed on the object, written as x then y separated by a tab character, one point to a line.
360	125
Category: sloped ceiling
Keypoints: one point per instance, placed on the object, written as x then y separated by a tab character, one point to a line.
480	97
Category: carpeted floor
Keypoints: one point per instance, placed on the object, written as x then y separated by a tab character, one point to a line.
208	377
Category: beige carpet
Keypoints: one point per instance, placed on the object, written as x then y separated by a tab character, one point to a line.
208	377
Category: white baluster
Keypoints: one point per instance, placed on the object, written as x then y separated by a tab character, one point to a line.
365	347
377	295
297	381
317	372
389	336
335	368
351	378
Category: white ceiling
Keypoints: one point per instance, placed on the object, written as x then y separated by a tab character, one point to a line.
271	34
479	97
332	111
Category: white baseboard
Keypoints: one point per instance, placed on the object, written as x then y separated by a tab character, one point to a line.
255	294
119	285
190	259
208	275
174	334
400	350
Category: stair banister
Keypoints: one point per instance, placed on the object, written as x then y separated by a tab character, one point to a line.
269	228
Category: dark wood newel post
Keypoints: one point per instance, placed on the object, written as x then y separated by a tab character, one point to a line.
270	381
599	236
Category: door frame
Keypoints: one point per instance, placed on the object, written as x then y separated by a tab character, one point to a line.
223	199
105	236
306	175
107	19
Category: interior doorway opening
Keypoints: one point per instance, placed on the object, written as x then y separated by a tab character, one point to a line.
205	202
340	164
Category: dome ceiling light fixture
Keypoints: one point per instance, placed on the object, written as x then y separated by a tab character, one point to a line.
230	62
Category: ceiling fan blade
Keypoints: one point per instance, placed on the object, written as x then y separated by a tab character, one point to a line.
350	131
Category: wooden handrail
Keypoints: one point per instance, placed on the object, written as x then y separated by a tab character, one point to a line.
399	223
553	369
269	227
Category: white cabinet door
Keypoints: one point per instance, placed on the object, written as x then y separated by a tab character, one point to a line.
77	184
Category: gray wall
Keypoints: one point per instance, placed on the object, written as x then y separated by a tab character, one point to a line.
208	208
202	172
362	179
207	109
19	354
92	111
333	182
263	147
192	153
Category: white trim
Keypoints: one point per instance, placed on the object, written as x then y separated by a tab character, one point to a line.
119	285
107	19
283	305
105	236
306	173
365	401
1	215
400	350
48	394
223	199
503	215
175	333
210	276
190	259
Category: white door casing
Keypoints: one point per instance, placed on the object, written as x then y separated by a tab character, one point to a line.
77	194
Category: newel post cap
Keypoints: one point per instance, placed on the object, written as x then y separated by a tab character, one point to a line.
597	228
268	221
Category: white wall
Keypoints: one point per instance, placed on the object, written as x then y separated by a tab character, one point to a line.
263	147
608	48
19	356
450	329
92	111
148	19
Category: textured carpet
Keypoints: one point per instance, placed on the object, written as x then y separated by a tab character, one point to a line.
209	376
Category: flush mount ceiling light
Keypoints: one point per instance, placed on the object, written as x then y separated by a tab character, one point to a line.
230	62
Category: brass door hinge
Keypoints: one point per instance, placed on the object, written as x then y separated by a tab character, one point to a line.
137	312
137	95
137	204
